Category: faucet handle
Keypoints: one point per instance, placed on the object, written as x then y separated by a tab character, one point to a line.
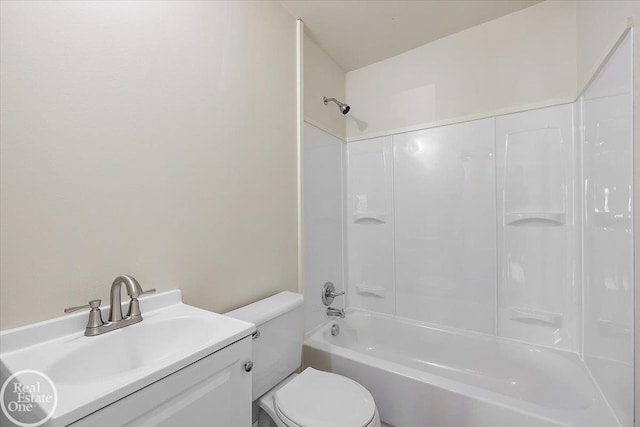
329	293
95	315
134	304
94	303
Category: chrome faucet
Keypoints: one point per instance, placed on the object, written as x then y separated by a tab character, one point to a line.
337	312
329	293
96	326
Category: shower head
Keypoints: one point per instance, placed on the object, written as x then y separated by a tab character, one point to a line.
344	108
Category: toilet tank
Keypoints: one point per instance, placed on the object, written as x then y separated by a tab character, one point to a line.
277	348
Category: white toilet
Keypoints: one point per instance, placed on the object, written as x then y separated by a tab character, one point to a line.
285	399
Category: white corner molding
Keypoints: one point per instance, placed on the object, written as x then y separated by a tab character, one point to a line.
613	45
467	118
300	144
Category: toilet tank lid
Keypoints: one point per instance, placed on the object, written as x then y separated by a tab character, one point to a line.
269	308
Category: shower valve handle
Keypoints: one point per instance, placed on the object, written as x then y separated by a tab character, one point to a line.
329	293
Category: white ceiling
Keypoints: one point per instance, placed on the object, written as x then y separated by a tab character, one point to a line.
356	33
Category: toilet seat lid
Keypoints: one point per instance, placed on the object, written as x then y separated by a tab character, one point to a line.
323	399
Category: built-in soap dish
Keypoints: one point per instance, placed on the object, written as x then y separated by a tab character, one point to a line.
369	217
371	290
528	315
535	219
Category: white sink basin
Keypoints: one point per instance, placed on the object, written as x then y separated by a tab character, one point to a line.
92	372
137	346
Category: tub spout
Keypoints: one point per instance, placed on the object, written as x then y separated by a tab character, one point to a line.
335	312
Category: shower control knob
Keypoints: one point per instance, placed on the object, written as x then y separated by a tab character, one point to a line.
248	366
329	293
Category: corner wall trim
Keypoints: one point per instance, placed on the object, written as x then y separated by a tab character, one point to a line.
300	146
612	47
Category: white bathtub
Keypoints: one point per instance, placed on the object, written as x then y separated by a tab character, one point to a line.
425	377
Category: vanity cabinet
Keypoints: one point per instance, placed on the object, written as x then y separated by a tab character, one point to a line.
214	391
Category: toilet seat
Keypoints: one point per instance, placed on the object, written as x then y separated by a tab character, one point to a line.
323	399
283	421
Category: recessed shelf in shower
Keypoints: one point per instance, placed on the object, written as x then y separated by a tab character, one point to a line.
372	290
536	219
369	217
522	314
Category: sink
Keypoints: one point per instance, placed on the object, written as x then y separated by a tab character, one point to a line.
138	346
92	372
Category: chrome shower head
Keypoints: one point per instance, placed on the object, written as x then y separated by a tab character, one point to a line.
344	108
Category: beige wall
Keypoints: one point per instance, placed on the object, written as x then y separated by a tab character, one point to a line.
599	25
519	61
323	77
150	138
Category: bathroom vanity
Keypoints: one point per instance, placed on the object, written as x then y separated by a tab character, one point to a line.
179	366
214	391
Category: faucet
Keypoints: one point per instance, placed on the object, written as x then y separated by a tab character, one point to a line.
96	326
335	312
328	294
133	290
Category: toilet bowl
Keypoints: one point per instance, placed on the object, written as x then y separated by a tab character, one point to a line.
312	398
319	399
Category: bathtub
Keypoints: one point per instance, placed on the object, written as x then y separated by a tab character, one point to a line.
421	376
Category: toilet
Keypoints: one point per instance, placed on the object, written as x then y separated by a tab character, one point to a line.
283	398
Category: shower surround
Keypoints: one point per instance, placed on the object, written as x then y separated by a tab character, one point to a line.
517	226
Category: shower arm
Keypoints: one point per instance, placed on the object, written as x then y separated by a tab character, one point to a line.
344	108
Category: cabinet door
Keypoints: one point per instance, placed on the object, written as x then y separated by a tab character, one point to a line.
214	391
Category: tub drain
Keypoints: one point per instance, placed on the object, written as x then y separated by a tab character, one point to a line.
335	329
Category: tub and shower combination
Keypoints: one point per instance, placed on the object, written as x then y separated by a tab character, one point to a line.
421	376
488	264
